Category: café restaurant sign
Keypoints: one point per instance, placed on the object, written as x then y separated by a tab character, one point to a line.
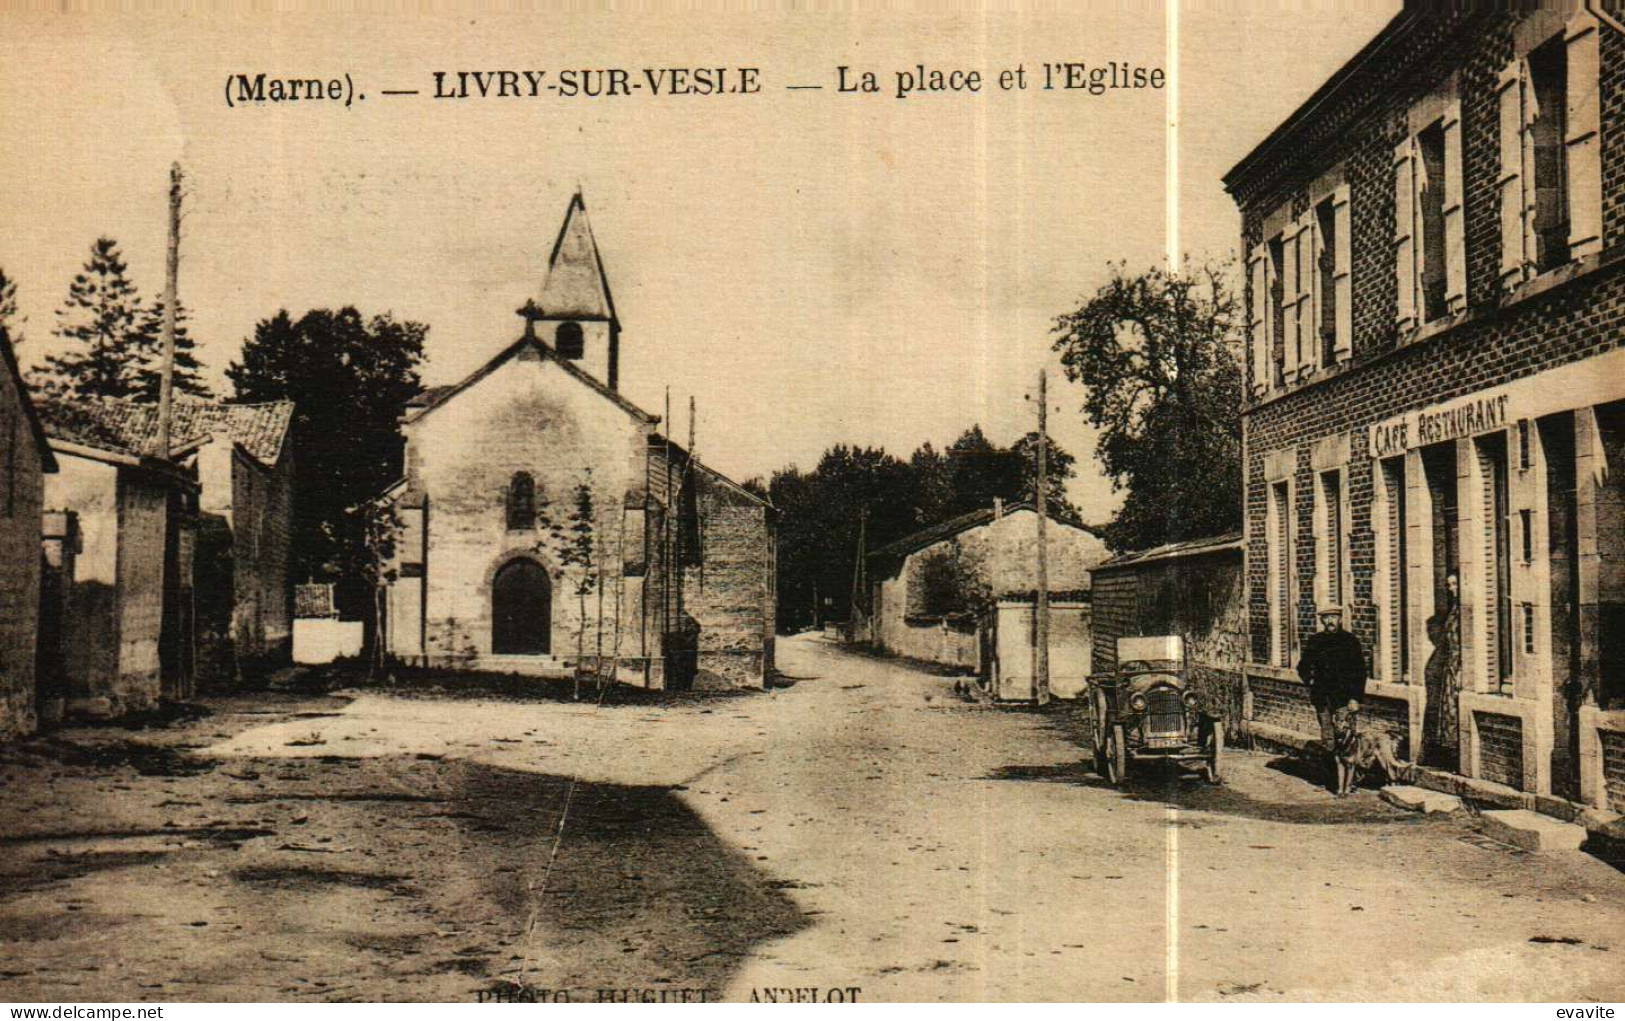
1466	417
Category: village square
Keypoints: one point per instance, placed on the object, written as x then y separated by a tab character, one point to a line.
1281	612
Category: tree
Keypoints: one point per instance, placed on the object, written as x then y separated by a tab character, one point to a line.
580	552
11	322
188	378
1156	354
101	321
1058	470
348	377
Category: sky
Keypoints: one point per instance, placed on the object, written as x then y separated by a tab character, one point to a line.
812	266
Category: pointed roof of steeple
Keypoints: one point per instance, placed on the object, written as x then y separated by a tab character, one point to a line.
576	287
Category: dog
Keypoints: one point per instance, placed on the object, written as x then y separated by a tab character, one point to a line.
1360	749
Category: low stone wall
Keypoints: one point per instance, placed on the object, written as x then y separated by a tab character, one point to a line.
321	640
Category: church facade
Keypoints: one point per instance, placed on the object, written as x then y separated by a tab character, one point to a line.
545	525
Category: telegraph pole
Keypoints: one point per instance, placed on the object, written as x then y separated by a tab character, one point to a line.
172	265
1041	678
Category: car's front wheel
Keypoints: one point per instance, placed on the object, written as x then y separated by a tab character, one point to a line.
1116	756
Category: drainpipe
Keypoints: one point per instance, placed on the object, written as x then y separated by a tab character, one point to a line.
1591	8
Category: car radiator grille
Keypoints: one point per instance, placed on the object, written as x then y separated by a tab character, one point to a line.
1164	714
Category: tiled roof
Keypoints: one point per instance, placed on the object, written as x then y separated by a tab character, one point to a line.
944	530
1173	550
127	427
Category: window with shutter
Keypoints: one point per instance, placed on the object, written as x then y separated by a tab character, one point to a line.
1582	138
1405	235
1428	168
1545	112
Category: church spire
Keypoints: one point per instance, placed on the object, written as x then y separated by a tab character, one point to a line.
576	286
575	312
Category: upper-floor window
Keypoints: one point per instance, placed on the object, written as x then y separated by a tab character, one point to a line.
521	502
1301	308
569	342
1430	265
1551	173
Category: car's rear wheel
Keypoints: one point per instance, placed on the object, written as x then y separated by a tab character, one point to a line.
1116	756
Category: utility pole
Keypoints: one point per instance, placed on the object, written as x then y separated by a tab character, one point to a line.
1041	678
172	266
860	573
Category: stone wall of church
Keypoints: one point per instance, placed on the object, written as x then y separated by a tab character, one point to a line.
527	416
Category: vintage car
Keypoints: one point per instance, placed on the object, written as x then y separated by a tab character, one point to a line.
1143	712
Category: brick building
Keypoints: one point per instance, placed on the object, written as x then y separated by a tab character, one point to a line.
1433	430
1192	589
545	523
25	458
122	531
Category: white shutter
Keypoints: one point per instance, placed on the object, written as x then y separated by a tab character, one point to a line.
1257	329
1342	263
1309	247
1405	234
1455	229
1582	140
1289	300
1510	97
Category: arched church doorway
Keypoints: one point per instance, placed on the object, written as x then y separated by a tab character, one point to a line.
521	610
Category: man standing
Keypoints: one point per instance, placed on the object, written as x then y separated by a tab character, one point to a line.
1333	667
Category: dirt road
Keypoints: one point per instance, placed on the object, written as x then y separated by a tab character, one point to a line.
859	827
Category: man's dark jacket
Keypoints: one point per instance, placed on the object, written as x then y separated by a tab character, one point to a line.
1333	665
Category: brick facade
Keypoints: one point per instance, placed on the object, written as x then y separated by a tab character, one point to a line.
1440	416
1193	590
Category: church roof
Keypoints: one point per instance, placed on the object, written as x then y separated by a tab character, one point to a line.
576	287
433	398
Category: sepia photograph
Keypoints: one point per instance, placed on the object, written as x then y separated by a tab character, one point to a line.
811	501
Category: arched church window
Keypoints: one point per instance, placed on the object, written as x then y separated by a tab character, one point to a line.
568	341
521	502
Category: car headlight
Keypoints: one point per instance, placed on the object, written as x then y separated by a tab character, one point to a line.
1137	703
1191	699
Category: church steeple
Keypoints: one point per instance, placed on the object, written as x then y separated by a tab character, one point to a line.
577	312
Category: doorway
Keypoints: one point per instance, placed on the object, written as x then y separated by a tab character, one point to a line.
1443	671
521	610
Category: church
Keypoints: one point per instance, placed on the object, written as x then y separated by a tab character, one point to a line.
546	524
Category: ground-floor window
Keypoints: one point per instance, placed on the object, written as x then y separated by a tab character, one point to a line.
1492	460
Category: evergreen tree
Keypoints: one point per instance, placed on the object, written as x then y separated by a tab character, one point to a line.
102	326
188	378
10	321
